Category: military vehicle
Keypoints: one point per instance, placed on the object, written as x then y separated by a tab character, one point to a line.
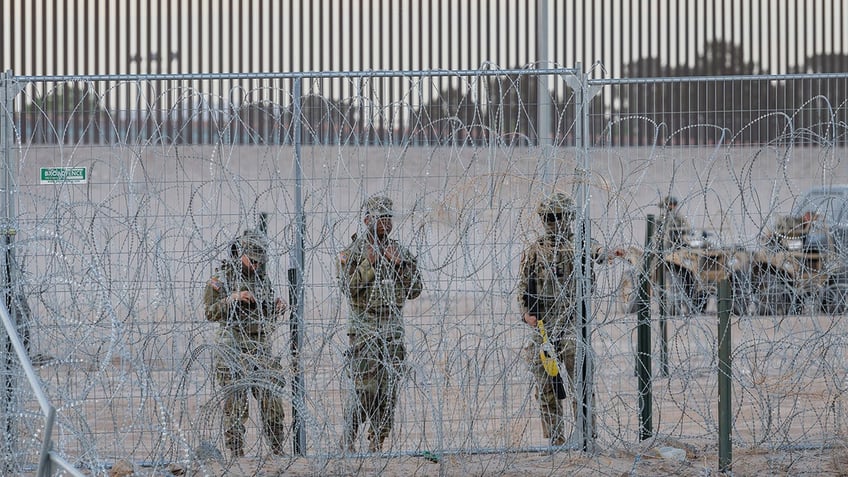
803	259
691	273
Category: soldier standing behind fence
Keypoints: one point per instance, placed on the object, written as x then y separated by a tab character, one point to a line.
674	224
377	275
547	291
241	299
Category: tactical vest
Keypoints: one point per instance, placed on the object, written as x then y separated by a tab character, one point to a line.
385	296
250	318
553	269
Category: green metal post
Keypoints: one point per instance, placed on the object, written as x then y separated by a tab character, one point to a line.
724	373
662	297
643	339
296	283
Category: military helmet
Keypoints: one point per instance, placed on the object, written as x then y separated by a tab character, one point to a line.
254	245
557	204
668	201
378	206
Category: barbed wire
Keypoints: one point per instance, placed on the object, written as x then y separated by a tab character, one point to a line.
114	270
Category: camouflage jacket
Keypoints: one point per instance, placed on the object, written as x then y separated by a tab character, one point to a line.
377	292
550	261
790	226
241	319
674	228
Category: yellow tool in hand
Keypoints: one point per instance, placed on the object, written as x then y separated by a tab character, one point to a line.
547	353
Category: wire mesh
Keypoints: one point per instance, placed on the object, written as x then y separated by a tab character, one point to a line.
113	268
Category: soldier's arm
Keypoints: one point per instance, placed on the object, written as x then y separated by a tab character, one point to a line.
356	273
215	302
411	277
280	306
602	254
523	276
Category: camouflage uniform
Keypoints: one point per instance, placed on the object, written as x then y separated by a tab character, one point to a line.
791	226
550	259
376	294
244	360
674	224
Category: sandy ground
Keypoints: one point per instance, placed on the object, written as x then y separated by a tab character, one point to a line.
644	460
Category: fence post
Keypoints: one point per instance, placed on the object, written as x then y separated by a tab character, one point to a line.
725	450
662	299
584	379
296	279
643	338
544	135
7	184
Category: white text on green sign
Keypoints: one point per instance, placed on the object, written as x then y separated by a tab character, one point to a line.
53	175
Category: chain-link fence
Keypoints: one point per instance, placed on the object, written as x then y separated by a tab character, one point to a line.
126	193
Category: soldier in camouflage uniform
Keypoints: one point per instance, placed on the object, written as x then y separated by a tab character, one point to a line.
241	299
550	262
791	226
377	275
674	225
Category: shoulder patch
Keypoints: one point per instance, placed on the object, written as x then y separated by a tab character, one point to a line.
343	257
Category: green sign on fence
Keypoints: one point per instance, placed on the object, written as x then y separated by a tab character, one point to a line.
53	175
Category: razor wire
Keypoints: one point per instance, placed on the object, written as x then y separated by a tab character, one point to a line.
113	267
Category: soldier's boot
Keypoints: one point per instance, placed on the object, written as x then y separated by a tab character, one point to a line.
274	433
235	444
236	450
376	437
553	429
277	446
557	438
376	444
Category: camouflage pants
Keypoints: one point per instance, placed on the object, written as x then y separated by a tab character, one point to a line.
553	414
239	372
375	364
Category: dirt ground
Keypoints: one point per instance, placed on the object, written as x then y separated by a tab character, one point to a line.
644	460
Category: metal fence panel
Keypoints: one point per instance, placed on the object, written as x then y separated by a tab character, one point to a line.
113	268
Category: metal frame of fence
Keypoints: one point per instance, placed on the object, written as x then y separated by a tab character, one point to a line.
586	91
